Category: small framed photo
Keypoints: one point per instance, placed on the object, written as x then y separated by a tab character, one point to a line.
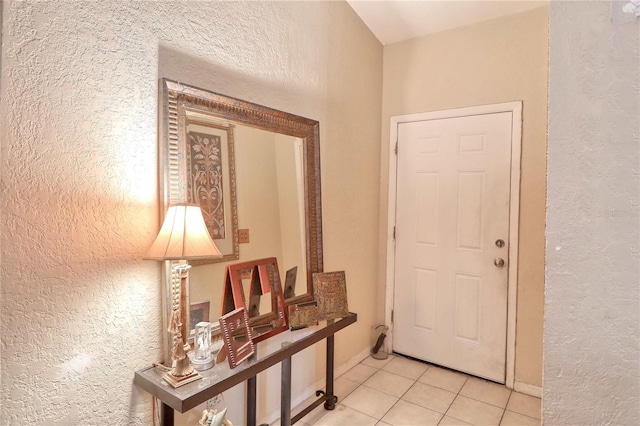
330	292
303	315
290	283
198	312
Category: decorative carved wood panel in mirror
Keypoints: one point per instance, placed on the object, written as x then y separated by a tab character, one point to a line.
266	165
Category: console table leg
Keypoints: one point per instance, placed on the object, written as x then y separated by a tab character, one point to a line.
285	394
251	401
166	413
330	403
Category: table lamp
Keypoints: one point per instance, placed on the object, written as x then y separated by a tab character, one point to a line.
183	236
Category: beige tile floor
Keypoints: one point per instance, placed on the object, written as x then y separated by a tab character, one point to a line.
400	391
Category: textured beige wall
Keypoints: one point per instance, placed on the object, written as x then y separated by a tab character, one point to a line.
497	61
80	309
592	309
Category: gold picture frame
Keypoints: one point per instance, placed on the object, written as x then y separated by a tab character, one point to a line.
303	315
198	312
330	291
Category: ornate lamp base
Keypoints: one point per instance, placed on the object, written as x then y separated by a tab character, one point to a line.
181	373
177	381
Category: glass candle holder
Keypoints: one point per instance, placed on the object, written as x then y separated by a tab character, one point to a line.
202	358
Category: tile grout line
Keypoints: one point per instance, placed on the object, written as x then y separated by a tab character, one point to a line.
404	377
358	385
488	403
398	398
523	415
454	399
394	404
418	405
505	408
405	392
362	384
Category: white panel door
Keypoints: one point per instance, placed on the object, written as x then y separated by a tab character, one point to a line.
450	297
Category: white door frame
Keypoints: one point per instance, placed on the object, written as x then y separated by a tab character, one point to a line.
514	213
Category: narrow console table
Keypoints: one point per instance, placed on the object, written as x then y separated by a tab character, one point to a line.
220	378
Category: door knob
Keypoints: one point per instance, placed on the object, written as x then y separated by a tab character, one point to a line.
499	262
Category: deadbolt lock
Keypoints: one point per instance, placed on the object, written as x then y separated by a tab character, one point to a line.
500	243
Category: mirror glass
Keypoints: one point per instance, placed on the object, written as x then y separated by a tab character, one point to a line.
270	182
270	204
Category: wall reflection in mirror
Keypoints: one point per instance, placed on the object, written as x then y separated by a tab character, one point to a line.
270	205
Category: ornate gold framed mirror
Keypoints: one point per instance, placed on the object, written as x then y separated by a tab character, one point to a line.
258	169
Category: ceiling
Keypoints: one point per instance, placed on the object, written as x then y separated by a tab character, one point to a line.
393	21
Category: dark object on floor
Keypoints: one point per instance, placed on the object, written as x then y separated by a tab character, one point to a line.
376	352
379	343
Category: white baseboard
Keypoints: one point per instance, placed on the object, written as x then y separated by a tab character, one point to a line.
527	389
351	363
319	384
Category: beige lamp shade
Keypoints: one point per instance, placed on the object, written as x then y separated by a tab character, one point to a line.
183	236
